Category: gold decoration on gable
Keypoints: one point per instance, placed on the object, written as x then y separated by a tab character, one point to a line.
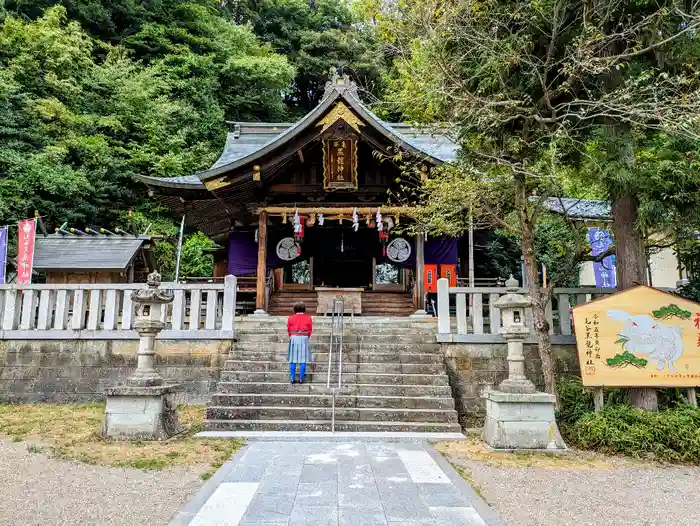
215	184
340	111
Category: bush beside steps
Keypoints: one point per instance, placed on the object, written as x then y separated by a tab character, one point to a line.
672	434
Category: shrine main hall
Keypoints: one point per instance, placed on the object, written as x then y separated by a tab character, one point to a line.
302	210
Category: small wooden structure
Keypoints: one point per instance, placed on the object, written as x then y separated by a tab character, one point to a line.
93	258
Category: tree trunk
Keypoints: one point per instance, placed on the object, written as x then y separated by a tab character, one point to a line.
631	265
539	297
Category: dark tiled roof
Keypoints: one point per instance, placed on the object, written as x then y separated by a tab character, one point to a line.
251	140
579	208
82	253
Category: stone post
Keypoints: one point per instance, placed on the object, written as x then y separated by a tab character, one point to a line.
142	408
517	416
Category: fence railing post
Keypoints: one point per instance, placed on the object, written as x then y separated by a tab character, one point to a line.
443	306
461	303
228	314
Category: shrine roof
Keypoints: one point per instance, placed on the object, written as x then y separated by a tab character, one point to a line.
68	253
579	208
249	141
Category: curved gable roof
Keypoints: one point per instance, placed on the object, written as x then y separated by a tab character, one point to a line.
249	141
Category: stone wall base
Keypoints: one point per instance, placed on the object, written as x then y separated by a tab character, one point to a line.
521	421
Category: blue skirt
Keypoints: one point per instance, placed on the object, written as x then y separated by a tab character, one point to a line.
298	350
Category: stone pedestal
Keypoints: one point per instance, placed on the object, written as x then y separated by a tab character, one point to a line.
521	421
143	408
141	413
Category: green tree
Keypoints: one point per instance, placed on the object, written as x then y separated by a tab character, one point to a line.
315	35
79	118
532	83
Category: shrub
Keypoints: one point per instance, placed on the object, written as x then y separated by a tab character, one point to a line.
671	434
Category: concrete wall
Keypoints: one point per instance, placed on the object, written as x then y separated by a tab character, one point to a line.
79	370
475	367
663	265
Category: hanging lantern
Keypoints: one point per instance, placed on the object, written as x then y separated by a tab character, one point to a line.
355	220
284	219
368	219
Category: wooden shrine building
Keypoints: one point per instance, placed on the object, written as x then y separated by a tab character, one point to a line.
301	208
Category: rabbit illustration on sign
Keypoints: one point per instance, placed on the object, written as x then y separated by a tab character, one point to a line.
644	335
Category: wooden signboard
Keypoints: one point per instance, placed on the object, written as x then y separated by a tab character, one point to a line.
641	337
340	164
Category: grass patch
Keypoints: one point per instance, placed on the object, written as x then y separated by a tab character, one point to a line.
474	449
467	476
72	432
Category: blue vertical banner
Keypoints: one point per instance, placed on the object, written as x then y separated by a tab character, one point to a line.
600	240
3	254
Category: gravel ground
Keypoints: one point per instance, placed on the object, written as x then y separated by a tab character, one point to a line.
619	496
36	490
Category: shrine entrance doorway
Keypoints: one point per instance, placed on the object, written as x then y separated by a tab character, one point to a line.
341	258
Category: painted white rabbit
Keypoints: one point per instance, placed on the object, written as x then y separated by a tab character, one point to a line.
650	337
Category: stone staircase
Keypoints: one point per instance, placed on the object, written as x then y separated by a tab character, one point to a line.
394	379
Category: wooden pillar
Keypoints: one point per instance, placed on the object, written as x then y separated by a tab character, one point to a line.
260	289
420	273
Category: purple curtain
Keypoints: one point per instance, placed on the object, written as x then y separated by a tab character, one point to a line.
441	251
243	254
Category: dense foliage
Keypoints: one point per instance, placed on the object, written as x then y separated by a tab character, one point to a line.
672	433
94	92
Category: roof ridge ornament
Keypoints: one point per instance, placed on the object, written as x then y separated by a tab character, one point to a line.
339	83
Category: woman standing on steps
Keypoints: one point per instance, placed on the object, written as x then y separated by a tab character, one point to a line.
299	327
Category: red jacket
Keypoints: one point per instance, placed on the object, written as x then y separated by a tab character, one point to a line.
299	323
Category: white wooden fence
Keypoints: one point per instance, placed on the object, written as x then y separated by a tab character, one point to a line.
469	315
105	311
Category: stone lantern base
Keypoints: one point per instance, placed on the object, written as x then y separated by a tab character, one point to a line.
521	421
140	413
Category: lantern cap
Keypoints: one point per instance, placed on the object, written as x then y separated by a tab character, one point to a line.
512	284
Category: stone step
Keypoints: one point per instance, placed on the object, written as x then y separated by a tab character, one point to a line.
362	347
364	414
324	400
348	367
312	388
325	425
348	378
349	356
282	337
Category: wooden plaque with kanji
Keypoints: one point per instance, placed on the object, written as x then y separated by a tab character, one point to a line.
340	164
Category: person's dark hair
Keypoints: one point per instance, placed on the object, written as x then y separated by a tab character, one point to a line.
299	307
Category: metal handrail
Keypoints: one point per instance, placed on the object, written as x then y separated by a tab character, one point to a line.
336	343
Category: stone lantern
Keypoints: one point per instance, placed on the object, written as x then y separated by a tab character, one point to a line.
517	416
512	306
143	408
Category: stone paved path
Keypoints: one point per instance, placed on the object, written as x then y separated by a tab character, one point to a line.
336	484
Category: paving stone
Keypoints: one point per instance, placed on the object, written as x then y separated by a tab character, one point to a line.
241	473
314	516
317	494
270	508
355	516
442	495
401	500
319	473
457	516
